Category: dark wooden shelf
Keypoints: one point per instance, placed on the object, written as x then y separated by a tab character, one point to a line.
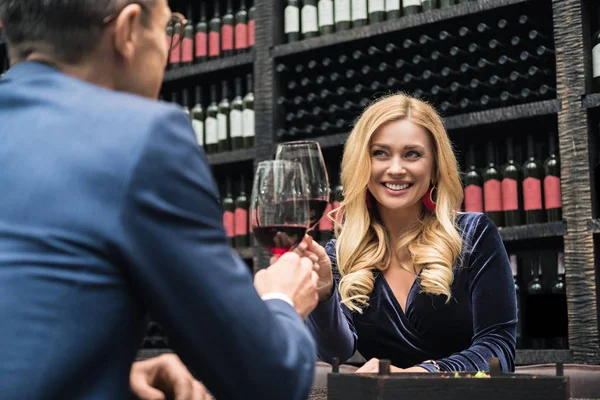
534	231
231	157
486	117
591	100
239	60
246	253
409	21
529	357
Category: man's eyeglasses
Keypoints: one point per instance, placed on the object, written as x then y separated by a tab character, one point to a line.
174	29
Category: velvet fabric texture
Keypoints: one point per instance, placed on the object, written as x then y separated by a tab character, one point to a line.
477	324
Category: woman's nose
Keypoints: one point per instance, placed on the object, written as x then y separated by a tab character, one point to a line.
396	166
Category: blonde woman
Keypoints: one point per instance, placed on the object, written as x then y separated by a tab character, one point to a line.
409	278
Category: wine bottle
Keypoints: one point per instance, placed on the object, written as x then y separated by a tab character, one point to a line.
198	117
236	118
552	196
359	13
511	188
187	45
227	31
343	18
536	306
558	305
376	11
241	217
214	33
473	185
338	198
392	9
514	266
175	54
211	126
596	58
447	3
251	24
241	29
202	36
223	119
492	189
248	113
325	224
185	102
428	5
533	174
309	20
326	22
229	212
292	21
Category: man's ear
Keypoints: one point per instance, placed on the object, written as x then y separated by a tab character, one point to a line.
127	26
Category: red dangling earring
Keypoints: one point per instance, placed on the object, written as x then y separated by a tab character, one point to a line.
428	199
368	200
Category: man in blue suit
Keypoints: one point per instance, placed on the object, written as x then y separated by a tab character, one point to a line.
109	210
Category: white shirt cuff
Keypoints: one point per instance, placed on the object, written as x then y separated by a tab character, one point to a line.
278	296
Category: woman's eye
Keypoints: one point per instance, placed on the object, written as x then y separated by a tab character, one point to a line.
413	154
378	153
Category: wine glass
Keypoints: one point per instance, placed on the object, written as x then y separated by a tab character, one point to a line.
279	205
308	154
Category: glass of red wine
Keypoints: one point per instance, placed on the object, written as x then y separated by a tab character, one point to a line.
279	211
308	154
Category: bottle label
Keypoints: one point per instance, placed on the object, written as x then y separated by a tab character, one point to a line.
241	36
175	56
222	126
201	48
596	60
325	224
342	10
325	12
248	121
187	50
376	5
227	37
292	19
251	33
392	5
473	199
359	10
212	136
510	196
229	223
198	127
309	19
532	194
411	3
492	195
552	192
235	119
241	222
214	44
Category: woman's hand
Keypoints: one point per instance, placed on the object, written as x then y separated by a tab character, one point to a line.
322	265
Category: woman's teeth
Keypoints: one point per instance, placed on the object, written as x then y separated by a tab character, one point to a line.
396	187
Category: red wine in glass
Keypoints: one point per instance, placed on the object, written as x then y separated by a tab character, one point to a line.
316	209
279	239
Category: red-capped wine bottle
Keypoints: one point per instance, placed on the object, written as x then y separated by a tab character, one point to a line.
197	115
533	174
410	7
326	22
291	21
214	34
248	113
473	185
376	11
492	189
175	54
552	196
236	117
251	24
359	13
392	9
241	217
309	19
187	45
227	31
341	15
229	212
511	188
241	29
223	119
210	124
202	36
596	58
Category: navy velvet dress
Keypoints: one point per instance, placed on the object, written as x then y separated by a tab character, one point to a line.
477	324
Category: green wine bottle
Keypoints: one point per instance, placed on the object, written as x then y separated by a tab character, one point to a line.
229	212
236	117
533	174
248	114
511	188
552	197
492	189
198	117
473	185
223	125
211	128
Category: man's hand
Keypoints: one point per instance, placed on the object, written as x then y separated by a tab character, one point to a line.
165	377
294	277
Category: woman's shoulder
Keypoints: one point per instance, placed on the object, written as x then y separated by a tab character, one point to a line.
471	224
